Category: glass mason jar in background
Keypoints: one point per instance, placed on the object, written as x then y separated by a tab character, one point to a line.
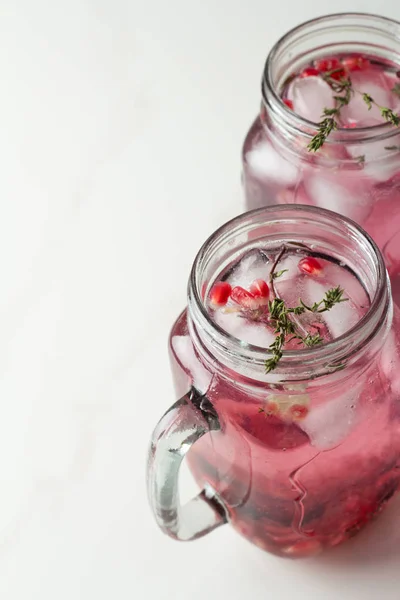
292	487
357	171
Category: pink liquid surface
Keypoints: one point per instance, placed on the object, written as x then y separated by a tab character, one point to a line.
296	481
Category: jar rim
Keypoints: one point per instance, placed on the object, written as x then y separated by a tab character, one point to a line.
292	360
302	125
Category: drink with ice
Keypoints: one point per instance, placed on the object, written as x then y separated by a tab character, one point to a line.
306	451
356	171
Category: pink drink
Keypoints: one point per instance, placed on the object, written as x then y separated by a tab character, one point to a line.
357	170
300	464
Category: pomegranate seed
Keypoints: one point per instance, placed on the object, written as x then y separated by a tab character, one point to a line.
326	64
288	103
355	63
338	75
244	298
298	412
260	290
220	293
309	72
310	265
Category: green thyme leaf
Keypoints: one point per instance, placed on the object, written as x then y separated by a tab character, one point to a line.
277	274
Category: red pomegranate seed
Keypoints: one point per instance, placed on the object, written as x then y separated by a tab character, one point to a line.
355	63
310	265
220	293
326	64
244	298
288	103
260	290
298	412
309	72
338	74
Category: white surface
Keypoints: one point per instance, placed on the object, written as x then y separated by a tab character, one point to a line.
121	127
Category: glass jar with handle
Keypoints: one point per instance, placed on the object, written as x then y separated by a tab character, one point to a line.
300	454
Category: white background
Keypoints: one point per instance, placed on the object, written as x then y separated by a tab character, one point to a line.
121	125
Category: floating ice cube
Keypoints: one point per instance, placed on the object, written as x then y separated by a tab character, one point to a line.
378	162
290	286
328	424
384	221
289	263
258	335
391	253
373	82
344	194
390	362
252	266
392	81
265	163
338	319
253	333
184	350
310	95
352	287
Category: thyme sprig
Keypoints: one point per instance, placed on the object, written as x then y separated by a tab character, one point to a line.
280	313
329	121
285	319
386	113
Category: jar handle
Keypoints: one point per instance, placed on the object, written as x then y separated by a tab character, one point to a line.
183	424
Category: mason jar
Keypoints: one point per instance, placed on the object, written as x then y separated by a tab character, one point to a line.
301	457
357	170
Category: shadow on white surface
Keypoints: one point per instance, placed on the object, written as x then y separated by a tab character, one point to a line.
364	567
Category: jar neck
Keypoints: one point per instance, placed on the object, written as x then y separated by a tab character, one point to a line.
270	228
329	35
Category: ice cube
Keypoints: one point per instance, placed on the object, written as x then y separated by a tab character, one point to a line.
373	82
310	95
289	263
378	162
266	163
391	81
257	334
290	286
253	265
328	424
391	253
348	282
384	221
345	194
390	361
340	318
184	350
253	333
